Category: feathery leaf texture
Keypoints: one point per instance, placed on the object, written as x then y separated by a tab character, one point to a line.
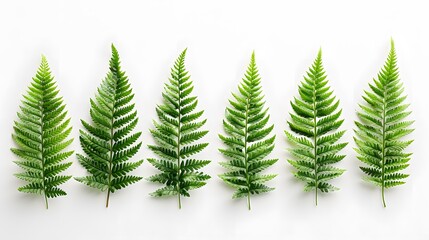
176	135
109	142
41	134
315	122
247	140
382	125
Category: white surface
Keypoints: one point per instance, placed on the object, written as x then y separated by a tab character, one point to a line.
220	35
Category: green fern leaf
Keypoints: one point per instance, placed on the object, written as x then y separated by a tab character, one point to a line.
247	138
382	126
109	142
41	134
176	135
314	132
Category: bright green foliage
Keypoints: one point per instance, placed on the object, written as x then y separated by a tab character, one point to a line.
109	143
41	134
381	127
315	122
176	135
247	138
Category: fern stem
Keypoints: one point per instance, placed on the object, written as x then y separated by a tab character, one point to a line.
107	198
178	143
316	183
245	153
383	162
316	197
110	164
383	159
42	150
248	202
111	142
46	202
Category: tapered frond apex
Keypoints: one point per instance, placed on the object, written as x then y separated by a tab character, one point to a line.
115	62
44	60
181	59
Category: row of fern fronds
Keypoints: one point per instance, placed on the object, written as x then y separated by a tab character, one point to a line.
109	140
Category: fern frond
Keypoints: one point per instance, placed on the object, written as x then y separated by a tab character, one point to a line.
314	132
176	135
247	140
382	125
109	141
42	135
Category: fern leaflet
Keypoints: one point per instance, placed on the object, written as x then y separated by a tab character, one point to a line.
315	122
176	134
247	138
41	134
109	142
381	127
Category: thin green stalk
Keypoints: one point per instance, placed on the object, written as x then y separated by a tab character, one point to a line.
245	154
111	151
384	147
43	158
110	164
178	148
315	139
46	201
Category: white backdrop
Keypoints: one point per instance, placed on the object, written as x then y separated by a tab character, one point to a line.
220	36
